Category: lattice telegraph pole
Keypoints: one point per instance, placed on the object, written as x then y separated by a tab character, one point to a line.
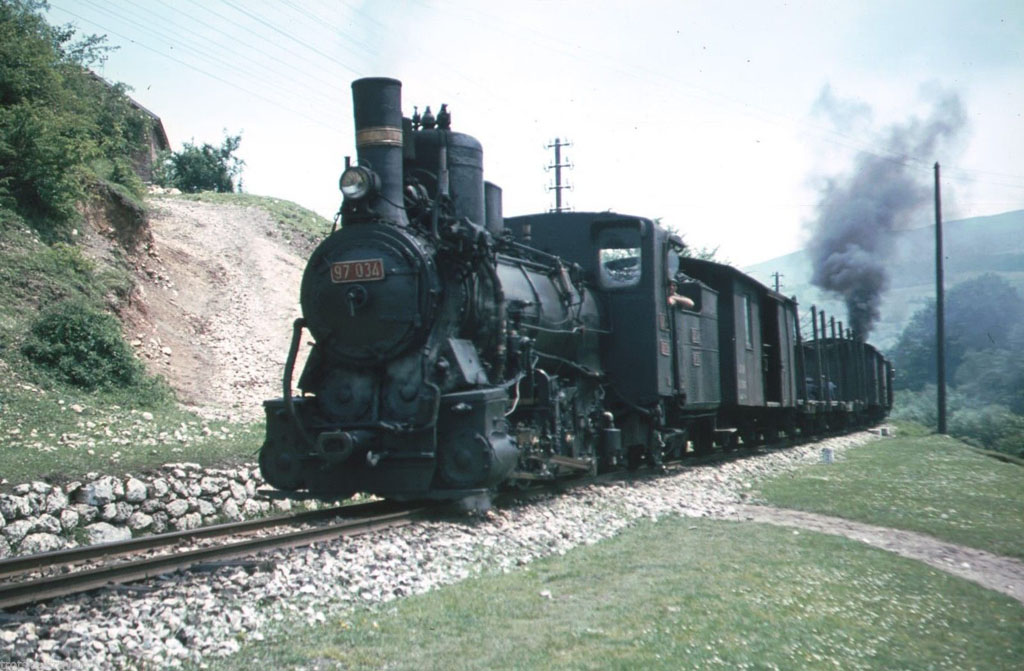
557	166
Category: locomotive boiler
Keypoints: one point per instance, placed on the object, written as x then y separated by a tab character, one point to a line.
446	358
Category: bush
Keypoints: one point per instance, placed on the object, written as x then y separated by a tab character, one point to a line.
987	425
81	345
206	168
993	427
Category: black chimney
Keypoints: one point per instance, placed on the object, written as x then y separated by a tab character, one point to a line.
377	104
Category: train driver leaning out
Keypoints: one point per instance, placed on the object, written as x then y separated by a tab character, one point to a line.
677	300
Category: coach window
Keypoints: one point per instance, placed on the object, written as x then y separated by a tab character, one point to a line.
619	257
748	321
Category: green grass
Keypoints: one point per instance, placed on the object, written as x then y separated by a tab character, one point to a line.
677	594
63	433
919	482
299	226
40	434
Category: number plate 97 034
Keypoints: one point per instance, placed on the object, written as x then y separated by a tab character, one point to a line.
367	270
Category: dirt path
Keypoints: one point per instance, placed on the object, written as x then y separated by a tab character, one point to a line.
1002	574
219	290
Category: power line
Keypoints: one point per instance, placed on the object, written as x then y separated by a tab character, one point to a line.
557	44
206	56
199	70
289	36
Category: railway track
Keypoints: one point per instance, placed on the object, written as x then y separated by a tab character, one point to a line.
36	578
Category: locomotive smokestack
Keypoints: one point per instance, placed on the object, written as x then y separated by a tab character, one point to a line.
377	104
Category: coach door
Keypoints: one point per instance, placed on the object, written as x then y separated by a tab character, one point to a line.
779	343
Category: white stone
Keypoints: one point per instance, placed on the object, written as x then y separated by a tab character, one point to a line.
47	524
68	519
101	532
124	511
41	542
108	512
86	512
139	521
230	510
150	506
100	492
56	501
18	529
237	491
212	485
251	508
177	507
8	506
189	521
160	487
134	490
40	487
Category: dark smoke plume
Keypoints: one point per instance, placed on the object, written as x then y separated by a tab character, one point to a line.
850	244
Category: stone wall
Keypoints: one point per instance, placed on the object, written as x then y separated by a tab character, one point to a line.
40	517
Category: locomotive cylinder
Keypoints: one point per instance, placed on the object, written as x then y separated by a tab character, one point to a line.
377	106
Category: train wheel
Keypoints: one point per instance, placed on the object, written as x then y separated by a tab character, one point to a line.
703	438
789	428
771	434
748	436
635	456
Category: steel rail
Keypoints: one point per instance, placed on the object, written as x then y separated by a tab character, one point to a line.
23	593
43	560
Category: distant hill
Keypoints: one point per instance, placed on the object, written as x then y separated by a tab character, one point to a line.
971	247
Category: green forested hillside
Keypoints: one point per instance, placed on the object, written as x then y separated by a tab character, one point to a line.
972	247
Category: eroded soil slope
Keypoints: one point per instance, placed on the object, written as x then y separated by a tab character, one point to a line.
218	291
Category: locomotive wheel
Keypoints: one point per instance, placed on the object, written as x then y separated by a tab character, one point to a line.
280	467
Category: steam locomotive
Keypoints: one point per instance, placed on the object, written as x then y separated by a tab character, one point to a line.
456	351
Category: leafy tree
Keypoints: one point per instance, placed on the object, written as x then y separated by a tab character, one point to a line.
981	314
985	338
995	375
61	127
205	168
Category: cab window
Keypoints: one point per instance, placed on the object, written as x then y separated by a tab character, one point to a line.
619	257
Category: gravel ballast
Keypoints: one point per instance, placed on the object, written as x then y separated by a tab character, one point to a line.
189	617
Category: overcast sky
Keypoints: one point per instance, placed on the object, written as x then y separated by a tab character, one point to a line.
724	119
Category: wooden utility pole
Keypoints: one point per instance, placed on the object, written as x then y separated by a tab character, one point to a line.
557	166
940	309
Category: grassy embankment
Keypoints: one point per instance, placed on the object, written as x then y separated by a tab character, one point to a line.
52	429
703	594
920	482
